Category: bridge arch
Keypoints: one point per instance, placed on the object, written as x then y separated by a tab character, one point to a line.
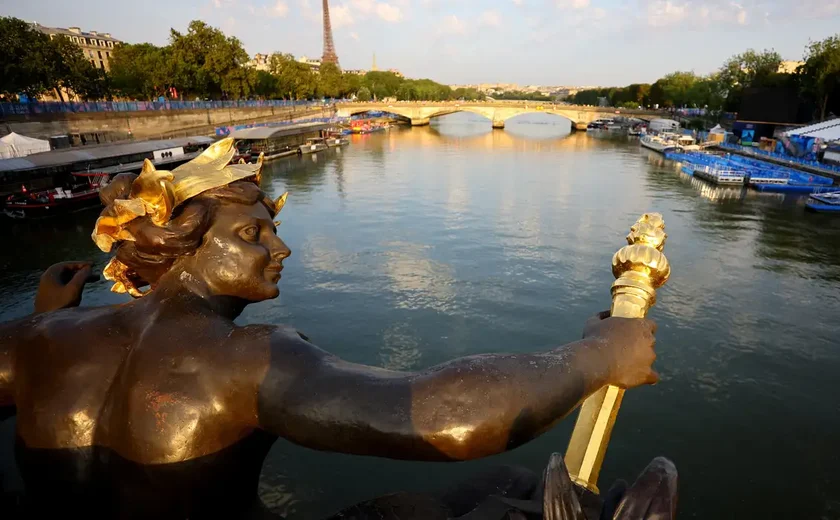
420	113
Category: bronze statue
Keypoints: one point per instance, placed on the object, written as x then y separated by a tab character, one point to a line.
164	408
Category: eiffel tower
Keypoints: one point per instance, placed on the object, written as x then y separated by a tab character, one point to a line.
329	47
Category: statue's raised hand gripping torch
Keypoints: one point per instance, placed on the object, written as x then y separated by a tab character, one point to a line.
640	268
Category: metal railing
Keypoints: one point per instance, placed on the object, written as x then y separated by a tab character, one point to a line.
7	109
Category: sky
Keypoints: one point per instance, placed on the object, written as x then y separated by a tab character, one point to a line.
529	42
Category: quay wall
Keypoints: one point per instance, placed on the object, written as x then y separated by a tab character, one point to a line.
150	124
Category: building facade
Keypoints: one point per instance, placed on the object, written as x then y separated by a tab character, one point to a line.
97	47
259	62
315	65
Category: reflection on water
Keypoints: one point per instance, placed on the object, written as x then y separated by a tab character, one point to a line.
418	245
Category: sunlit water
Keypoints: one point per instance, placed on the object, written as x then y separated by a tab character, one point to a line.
420	245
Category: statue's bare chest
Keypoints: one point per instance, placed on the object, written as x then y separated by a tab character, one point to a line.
149	407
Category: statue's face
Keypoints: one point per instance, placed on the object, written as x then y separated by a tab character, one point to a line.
241	255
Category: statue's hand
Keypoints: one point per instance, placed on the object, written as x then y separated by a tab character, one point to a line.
62	284
628	346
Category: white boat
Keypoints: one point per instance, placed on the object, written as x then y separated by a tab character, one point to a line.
658	143
599	124
688	143
337	140
316	144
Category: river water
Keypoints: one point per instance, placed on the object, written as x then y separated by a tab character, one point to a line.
420	245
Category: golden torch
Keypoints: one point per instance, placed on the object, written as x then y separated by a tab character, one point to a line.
639	268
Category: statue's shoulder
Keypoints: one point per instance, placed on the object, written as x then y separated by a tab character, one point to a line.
56	322
275	334
283	343
78	318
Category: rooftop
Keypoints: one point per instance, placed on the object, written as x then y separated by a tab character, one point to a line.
94	153
269	132
75	31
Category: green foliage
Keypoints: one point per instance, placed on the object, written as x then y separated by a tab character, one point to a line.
363	94
677	86
142	71
521	96
331	82
32	64
208	63
266	86
820	74
718	91
746	70
24	62
295	80
468	94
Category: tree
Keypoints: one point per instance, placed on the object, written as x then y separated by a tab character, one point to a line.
71	71
25	60
352	83
746	70
586	97
363	94
295	80
382	84
266	86
676	88
820	74
142	70
93	84
209	64
331	81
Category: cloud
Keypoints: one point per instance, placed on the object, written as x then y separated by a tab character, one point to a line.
388	12
572	4
451	24
363	6
662	13
340	16
518	2
278	10
490	18
669	13
355	36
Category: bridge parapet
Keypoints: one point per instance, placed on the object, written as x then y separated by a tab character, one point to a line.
498	113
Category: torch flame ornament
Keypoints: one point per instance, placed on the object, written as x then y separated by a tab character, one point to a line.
639	268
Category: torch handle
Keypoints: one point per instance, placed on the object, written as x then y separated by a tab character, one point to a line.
596	419
640	269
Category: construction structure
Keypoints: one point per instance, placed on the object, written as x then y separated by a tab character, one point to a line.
329	47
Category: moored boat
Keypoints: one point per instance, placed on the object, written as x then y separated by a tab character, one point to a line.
658	143
313	145
80	192
336	139
599	124
826	202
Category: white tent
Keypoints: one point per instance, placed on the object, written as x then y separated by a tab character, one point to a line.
16	145
827	130
717	130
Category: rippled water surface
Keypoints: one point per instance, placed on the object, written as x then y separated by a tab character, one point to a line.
420	245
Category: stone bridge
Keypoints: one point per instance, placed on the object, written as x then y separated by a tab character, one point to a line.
420	113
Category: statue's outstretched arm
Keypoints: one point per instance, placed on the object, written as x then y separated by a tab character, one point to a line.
467	408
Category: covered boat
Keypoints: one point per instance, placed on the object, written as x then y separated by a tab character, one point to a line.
80	192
